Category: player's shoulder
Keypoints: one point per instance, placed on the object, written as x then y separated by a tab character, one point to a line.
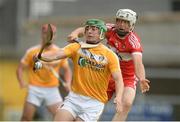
108	50
72	46
133	34
75	44
33	49
134	40
110	26
111	30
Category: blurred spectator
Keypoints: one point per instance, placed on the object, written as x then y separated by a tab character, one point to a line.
43	85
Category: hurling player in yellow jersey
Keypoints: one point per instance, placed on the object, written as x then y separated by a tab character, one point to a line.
93	65
43	85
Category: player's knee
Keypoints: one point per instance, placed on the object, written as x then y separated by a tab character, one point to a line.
57	115
127	105
26	118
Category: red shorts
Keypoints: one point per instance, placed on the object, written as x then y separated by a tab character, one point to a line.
128	82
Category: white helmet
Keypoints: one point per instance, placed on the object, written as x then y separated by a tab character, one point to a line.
127	14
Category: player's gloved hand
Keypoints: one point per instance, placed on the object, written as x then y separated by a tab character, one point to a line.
144	85
38	65
35	58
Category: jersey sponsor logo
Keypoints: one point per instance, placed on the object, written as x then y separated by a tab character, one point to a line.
96	57
121	55
90	60
82	62
124	56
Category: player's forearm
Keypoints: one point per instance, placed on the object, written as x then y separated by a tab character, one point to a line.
144	83
119	89
19	77
79	32
140	71
139	67
119	85
68	75
19	74
49	57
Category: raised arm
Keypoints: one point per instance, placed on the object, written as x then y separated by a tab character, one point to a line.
77	33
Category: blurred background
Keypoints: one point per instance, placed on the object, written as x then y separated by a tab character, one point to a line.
158	26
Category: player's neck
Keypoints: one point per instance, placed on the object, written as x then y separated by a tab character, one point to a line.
94	42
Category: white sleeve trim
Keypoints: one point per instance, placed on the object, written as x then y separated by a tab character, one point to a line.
137	53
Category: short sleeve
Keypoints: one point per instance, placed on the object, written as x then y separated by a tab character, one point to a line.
134	43
27	58
71	49
113	62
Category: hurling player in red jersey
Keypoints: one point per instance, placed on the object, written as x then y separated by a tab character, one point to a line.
126	44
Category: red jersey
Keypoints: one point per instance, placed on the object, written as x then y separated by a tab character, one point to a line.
124	48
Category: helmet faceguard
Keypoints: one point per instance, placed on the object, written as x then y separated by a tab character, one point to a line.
99	24
128	15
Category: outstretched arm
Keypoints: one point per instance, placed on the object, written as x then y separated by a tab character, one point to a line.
77	33
140	73
53	56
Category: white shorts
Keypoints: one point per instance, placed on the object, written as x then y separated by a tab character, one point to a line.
86	108
37	95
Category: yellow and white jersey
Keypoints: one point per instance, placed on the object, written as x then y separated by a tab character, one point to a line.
44	76
92	69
